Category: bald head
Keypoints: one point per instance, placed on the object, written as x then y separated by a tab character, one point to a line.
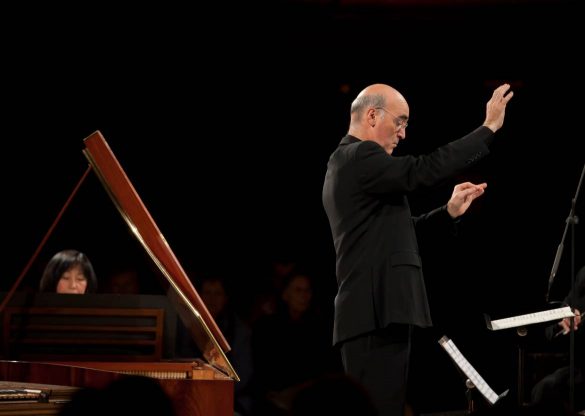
375	95
368	113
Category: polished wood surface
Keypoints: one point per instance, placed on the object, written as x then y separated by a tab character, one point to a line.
142	224
197	388
89	334
205	393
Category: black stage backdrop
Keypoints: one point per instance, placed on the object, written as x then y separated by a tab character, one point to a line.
224	121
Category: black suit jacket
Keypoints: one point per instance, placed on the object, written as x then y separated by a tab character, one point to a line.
578	299
378	267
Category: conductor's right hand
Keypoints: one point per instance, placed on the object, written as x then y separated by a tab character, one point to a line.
496	107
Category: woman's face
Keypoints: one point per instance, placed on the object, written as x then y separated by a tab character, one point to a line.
73	281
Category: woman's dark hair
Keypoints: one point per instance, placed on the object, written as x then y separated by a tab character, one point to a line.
63	261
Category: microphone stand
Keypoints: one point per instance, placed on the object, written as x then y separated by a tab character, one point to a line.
572	220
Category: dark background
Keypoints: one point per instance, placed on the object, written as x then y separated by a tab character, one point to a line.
224	117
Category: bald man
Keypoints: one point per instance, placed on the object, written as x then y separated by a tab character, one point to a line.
381	292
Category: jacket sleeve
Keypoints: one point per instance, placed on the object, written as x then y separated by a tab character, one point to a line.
380	173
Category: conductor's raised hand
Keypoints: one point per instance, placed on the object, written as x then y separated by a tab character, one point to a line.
496	107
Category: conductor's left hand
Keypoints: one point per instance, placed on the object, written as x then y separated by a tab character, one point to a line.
462	197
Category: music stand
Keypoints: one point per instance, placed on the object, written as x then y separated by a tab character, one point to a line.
520	322
472	378
529	318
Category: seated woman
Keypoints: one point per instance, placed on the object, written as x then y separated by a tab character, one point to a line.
552	394
69	271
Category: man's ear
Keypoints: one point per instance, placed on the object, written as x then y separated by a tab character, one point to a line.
371	115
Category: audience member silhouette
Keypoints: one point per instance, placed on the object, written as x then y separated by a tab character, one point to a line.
215	294
266	300
290	347
332	394
128	395
123	280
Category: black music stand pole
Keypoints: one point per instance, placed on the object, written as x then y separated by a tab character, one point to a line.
572	220
521	332
469	394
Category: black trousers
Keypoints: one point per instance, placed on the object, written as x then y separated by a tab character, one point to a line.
379	361
553	391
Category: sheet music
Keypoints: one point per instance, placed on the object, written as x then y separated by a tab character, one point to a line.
469	371
530	318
